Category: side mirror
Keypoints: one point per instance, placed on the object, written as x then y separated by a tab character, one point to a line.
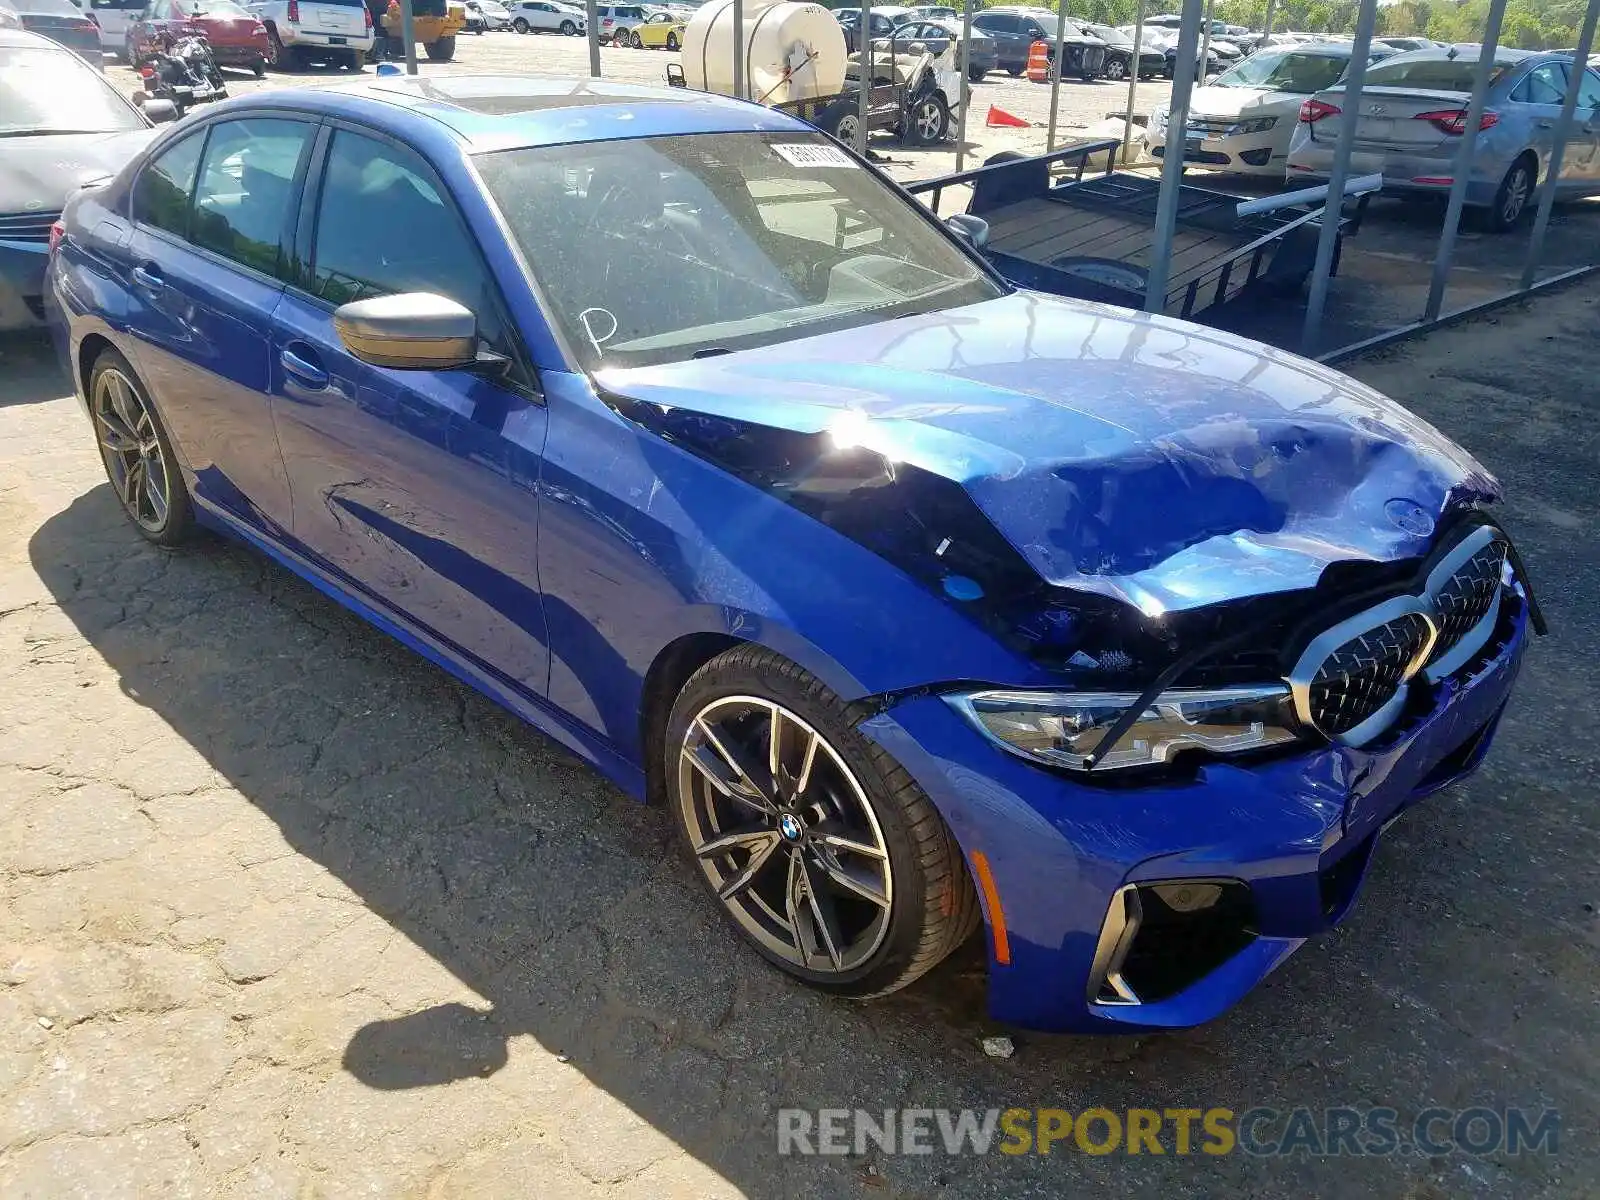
160	111
974	231
413	331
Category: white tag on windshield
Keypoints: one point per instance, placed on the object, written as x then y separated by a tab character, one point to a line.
813	154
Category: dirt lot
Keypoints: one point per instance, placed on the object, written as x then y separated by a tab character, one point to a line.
286	911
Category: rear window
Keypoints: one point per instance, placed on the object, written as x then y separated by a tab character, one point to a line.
1433	74
49	8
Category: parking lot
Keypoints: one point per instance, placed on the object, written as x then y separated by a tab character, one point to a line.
286	911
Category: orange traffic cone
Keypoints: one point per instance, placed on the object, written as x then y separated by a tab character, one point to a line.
999	118
1039	62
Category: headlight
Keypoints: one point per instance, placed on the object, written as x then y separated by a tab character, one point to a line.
1063	729
1259	125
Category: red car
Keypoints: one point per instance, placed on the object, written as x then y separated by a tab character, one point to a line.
237	39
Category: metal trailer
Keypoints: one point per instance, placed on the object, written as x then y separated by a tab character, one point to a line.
1095	238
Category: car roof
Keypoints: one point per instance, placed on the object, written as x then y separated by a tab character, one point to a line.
501	112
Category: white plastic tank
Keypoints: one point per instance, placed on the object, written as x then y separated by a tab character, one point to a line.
791	51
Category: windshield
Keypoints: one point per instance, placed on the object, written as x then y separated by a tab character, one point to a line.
1286	71
661	249
44	90
1434	74
1107	34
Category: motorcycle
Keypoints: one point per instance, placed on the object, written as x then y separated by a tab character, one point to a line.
177	65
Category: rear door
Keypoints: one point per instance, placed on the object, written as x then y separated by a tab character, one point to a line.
212	222
1005	29
1535	104
414	488
1586	120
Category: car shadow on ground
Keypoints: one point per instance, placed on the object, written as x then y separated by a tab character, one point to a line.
29	369
569	910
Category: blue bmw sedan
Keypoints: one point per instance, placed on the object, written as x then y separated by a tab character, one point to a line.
917	600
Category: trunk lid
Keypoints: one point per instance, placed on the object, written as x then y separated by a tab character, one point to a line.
340	19
1386	117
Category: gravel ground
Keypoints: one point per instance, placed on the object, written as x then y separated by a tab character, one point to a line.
284	911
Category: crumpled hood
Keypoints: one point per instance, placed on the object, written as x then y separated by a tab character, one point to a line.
1137	457
40	173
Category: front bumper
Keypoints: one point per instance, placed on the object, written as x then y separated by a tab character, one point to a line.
1263	153
22	265
1295	834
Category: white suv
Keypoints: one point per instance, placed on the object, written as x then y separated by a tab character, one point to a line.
546	16
618	19
332	31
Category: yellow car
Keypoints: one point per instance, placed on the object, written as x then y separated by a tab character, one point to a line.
658	30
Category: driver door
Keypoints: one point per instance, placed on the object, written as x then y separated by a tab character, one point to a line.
415	489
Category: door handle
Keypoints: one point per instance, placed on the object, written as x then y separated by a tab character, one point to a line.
302	368
149	278
1546	123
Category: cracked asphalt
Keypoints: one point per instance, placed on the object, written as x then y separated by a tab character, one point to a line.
285	911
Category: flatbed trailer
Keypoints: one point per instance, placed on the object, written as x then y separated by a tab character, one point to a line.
1093	237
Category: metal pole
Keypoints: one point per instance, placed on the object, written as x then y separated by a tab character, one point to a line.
1558	154
866	73
1055	74
738	50
408	31
1133	81
1463	163
1155	296
966	84
1205	47
591	20
1333	207
1266	31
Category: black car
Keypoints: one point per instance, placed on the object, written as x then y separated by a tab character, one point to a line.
1119	53
62	21
937	35
1014	32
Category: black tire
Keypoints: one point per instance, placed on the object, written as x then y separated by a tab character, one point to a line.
568	29
1512	196
976	74
1116	70
521	25
672	41
259	68
278	57
846	113
441	49
932	906
636	40
176	523
928	122
1018	71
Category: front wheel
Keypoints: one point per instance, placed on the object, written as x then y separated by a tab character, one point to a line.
1116	70
1017	71
929	120
137	454
568	29
521	25
672	41
976	74
441	49
817	846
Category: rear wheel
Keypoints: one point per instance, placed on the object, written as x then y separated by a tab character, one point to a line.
259	68
1017	71
841	119
817	845
1511	198
1116	70
568	29
976	74
277	53
137	455
442	49
672	41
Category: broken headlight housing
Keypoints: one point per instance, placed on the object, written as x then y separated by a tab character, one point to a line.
1064	729
1254	125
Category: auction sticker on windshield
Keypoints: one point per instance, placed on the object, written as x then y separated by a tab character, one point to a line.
810	154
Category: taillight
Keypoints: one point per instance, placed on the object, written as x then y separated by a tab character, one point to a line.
93	20
260	30
147	71
1454	120
294	12
58	230
367	13
1313	110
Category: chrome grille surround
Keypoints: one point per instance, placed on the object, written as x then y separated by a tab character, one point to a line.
1350	682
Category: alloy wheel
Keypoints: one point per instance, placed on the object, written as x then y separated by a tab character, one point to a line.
1517	189
930	122
126	431
784	833
1115	70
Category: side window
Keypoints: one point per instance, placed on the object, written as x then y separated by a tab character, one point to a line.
375	198
1544	85
1589	91
164	188
246	189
